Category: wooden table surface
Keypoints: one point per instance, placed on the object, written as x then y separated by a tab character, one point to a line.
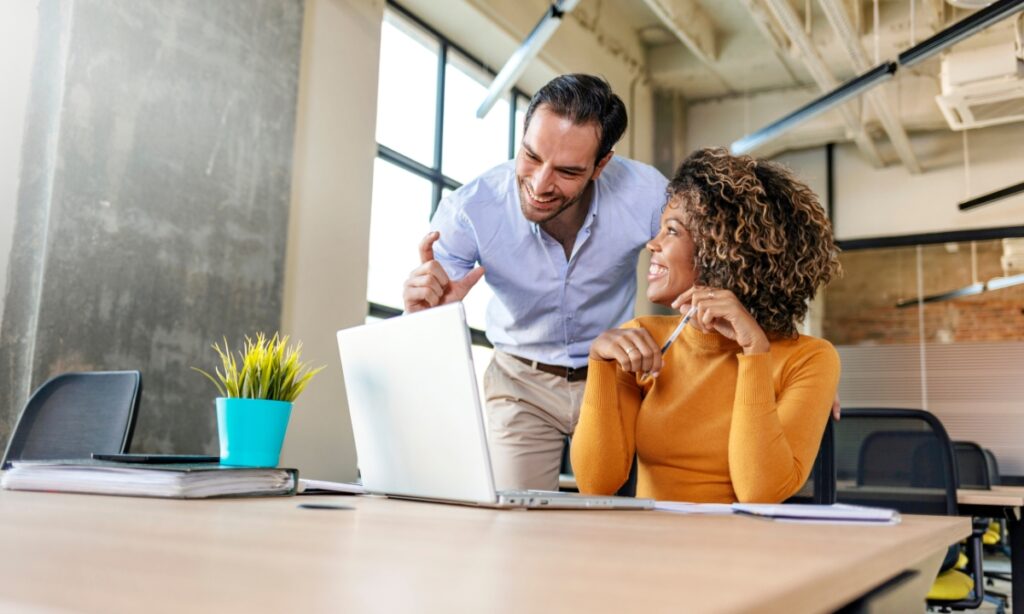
1006	496
111	554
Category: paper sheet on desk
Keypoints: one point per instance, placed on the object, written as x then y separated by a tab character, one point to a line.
788	512
837	513
681	507
324	487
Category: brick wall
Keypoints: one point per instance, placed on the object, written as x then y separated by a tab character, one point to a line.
861	305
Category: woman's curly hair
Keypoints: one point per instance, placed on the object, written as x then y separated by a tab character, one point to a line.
757	231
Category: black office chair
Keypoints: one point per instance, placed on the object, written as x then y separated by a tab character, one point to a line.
971	466
993	467
903	459
977	469
73	415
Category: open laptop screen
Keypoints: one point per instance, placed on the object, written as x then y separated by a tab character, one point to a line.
415	407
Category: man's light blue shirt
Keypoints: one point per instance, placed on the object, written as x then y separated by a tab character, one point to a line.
547	308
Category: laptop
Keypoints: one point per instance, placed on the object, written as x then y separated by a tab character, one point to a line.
418	421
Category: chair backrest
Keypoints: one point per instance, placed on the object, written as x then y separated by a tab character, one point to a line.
73	415
993	468
971	465
896	458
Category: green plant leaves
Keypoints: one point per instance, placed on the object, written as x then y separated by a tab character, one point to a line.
270	369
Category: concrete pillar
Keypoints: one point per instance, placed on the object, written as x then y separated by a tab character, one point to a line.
153	206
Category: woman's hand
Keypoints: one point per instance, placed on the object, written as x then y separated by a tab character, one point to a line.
633	348
721	311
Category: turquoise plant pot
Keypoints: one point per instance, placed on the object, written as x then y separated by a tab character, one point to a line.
251	431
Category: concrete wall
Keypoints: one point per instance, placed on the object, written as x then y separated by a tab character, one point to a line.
152	217
17	47
325	281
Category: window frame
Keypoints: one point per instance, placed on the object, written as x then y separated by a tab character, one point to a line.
433	173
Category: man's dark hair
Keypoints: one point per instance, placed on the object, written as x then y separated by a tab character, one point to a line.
583	99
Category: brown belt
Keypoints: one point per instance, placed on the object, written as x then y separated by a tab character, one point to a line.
569	373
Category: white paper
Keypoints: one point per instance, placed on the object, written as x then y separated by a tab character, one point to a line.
796	512
682	507
342	487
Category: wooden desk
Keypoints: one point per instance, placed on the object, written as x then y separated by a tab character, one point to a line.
113	554
1002	502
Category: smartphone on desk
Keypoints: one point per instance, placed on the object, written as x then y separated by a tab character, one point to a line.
157	459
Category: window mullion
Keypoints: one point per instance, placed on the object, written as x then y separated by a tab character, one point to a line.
442	64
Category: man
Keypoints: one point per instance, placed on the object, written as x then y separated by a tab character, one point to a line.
558	231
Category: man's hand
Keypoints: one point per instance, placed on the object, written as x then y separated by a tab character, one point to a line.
428	285
836	409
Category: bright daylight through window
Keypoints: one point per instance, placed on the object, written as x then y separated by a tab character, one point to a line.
422	157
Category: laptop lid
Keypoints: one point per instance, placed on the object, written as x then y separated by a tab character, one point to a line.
415	408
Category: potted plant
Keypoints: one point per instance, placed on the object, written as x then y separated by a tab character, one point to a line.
256	396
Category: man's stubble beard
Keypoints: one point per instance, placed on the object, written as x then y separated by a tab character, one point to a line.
525	206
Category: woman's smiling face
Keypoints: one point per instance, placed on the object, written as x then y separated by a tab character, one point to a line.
672	269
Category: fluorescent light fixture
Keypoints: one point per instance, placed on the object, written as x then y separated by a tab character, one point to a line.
970	290
962	29
996	283
984	199
516	65
846	91
968	26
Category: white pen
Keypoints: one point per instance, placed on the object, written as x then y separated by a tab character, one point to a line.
675	333
679	329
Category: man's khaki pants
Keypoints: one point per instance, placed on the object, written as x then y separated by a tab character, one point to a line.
529	415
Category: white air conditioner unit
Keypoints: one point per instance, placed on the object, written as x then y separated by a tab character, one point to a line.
982	87
1013	256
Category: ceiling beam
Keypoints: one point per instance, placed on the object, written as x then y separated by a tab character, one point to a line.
792	26
770	31
836	14
689	23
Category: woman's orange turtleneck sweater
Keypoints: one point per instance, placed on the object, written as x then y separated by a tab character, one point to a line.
715	426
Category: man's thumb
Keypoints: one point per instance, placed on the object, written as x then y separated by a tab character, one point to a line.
470	279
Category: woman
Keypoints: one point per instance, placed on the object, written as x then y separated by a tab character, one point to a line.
735	409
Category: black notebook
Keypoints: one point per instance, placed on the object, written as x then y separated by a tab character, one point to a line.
180	481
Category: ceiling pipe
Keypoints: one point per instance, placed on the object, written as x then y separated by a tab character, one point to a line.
838	19
790	23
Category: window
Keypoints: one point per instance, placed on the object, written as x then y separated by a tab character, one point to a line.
429	142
